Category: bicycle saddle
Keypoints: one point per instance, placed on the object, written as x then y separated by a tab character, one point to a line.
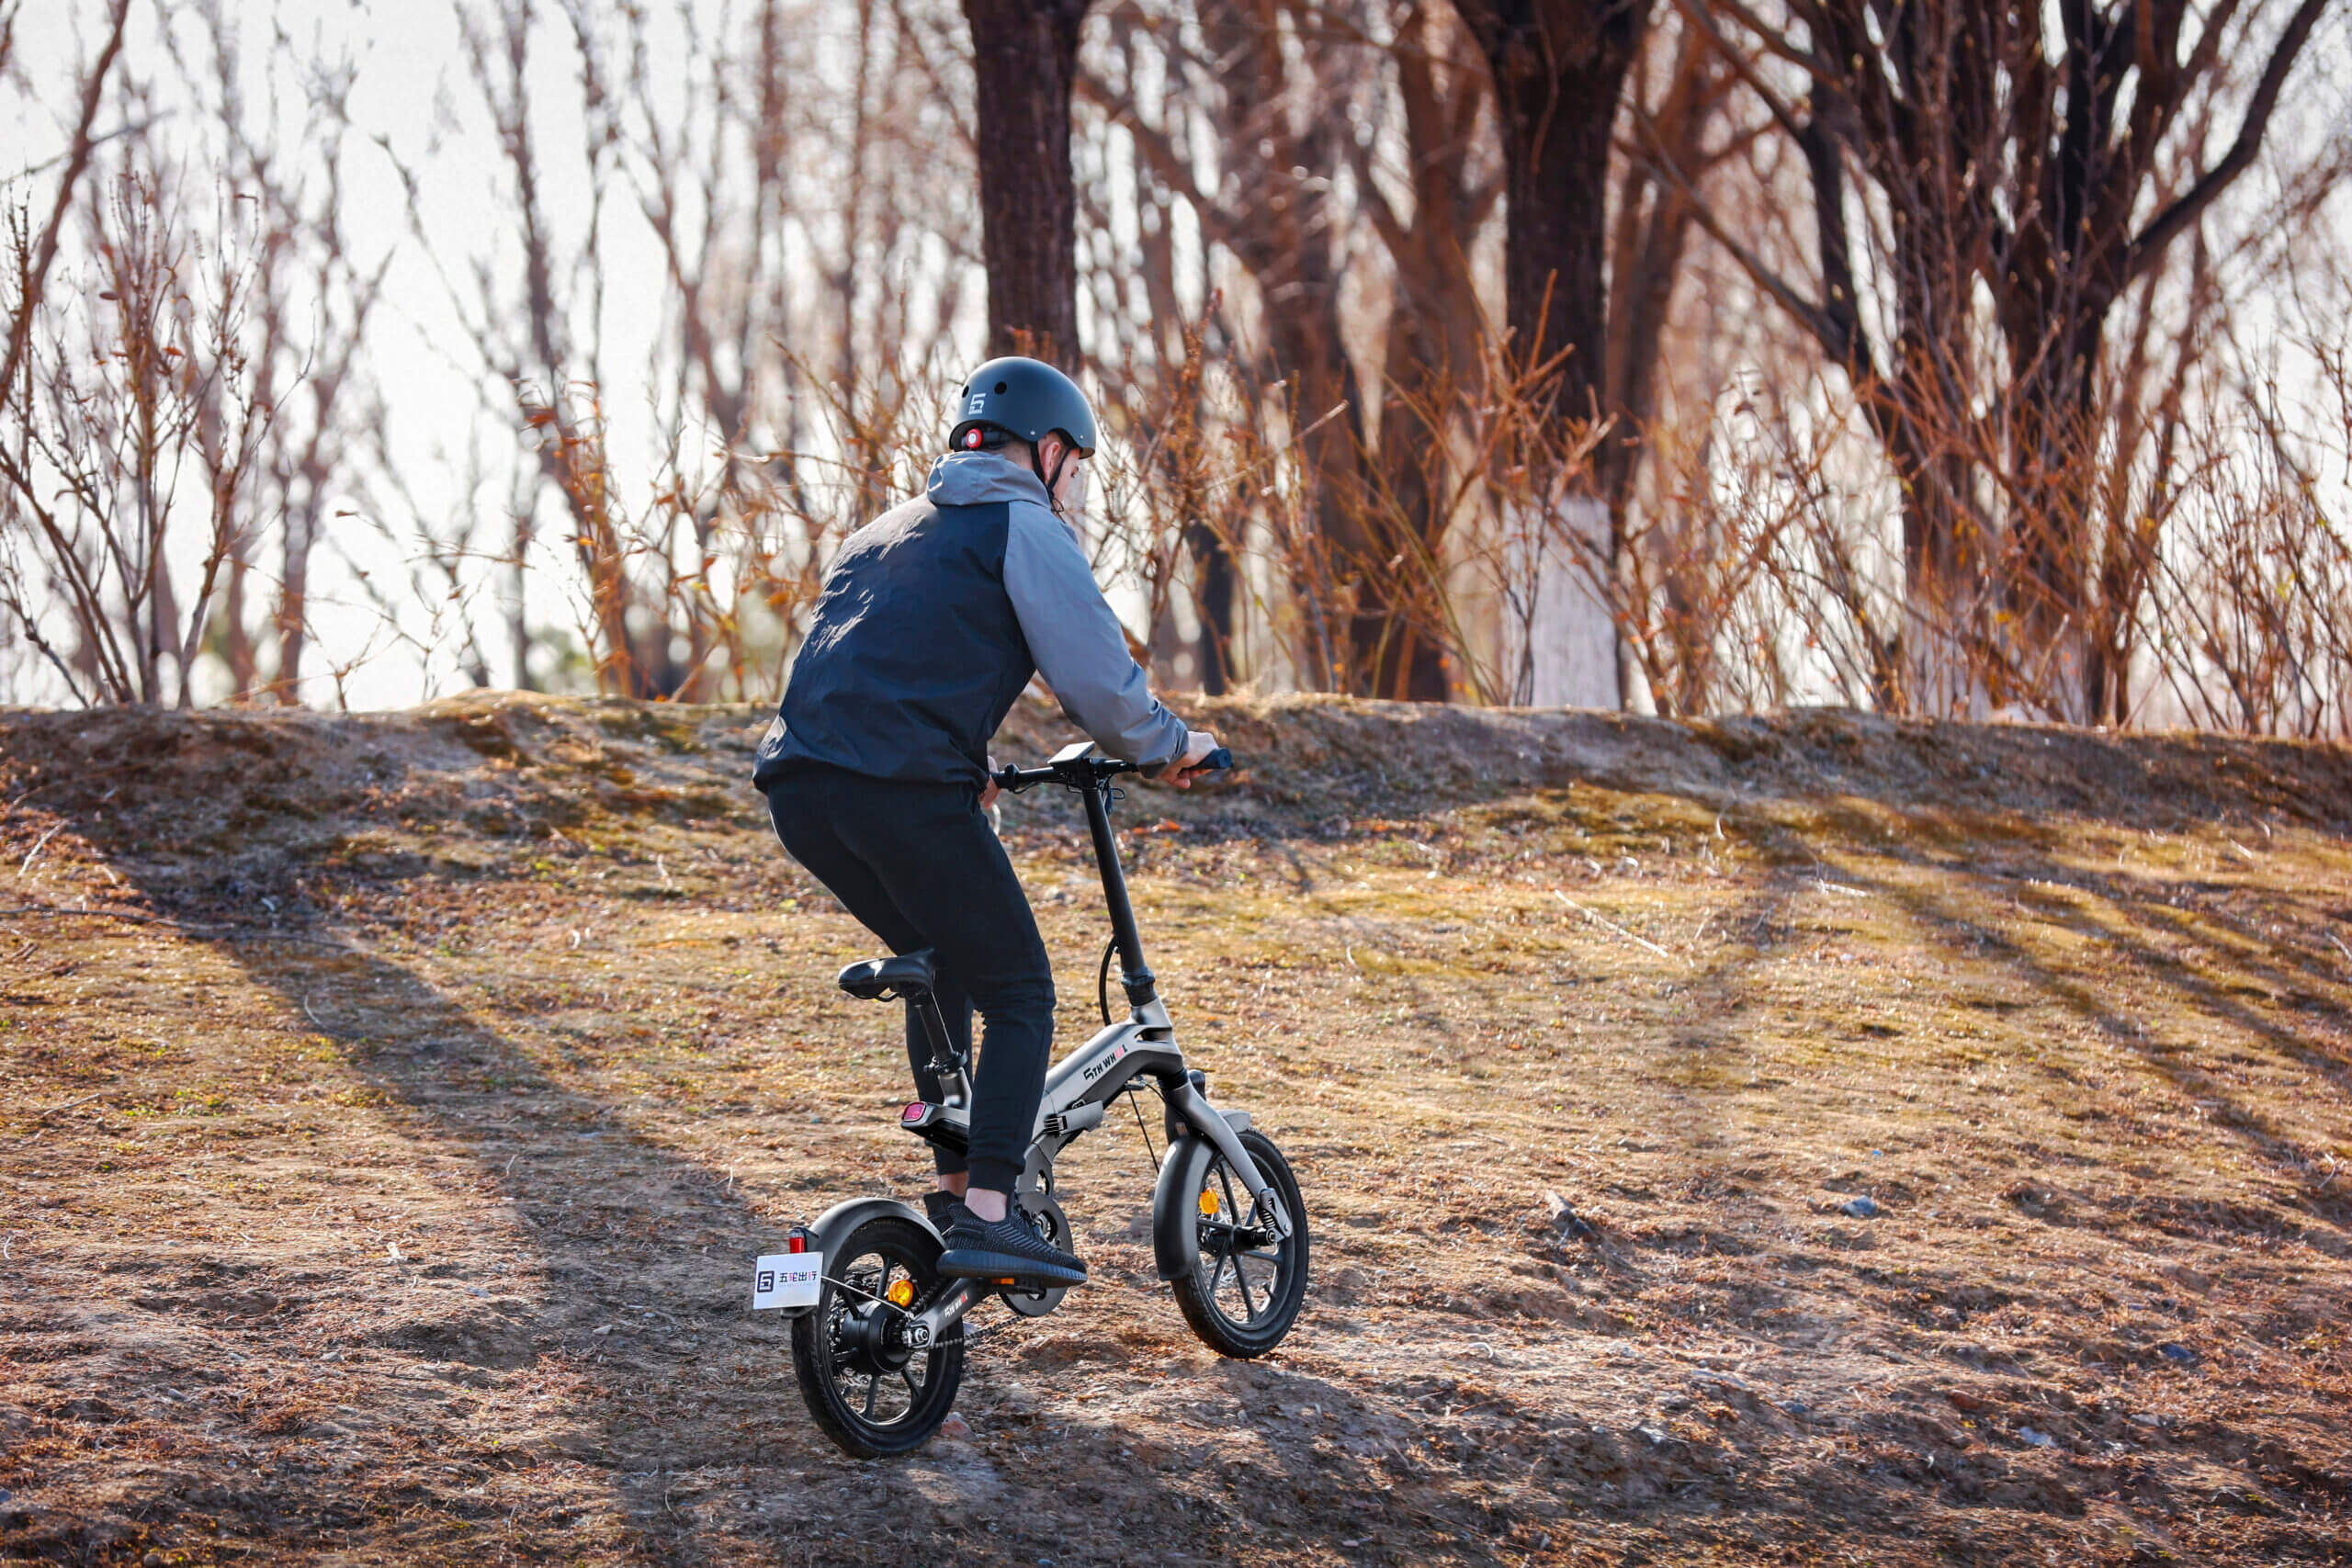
881	979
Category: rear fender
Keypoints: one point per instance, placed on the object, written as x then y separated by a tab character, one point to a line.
835	1225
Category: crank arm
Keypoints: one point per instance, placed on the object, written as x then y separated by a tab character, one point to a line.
1201	1117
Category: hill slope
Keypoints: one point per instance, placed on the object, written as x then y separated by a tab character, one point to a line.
392	1104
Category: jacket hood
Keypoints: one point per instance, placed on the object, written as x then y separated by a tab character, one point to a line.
977	479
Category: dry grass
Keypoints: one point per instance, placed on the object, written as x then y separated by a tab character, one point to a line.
389	1201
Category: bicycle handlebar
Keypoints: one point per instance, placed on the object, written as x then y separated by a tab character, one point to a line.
1079	773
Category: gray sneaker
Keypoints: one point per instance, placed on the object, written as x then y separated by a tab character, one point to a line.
1004	1249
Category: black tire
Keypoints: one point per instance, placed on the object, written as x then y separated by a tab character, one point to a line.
1263	1276
872	1395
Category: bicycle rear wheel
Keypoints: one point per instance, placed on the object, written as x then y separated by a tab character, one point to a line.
872	1390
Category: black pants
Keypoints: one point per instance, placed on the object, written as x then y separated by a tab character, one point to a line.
919	864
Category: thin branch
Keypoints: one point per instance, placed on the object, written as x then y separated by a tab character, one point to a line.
85	142
1815	318
2166	226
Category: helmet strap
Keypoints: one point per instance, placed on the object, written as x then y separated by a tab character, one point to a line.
1038	466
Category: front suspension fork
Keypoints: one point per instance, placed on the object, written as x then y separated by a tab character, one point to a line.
1204	1119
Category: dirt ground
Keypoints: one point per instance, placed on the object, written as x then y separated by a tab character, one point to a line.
1810	1139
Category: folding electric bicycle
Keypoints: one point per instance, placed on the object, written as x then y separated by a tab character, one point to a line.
879	1333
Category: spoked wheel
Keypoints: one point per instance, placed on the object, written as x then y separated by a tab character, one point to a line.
872	1390
1244	1291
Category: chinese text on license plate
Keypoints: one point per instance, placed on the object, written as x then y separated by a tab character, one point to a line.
788	1280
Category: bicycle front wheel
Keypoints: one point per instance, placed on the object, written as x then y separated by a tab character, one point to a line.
1244	1290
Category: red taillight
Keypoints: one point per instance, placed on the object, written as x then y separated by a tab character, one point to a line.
797	1241
913	1113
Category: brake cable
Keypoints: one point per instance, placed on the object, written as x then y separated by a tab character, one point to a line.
1135	1089
1102	981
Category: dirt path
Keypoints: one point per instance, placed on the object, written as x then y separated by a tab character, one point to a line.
1948	1122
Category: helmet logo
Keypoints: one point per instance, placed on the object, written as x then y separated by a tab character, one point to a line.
973	409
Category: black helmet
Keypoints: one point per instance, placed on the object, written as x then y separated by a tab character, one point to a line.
1023	398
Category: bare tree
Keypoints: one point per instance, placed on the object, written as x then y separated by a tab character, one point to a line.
1341	134
310	306
1559	69
526	339
1432	359
2017	150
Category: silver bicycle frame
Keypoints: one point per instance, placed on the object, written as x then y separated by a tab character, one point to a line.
1077	1091
1081	1085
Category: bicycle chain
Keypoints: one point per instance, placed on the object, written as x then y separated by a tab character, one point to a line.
973	1335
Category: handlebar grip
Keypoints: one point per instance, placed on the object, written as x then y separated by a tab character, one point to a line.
1217	761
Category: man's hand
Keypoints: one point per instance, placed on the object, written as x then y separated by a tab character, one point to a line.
1198	744
990	791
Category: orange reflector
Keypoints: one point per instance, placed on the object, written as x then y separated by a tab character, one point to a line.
901	1293
1209	1204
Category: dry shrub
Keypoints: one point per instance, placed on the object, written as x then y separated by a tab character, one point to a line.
2250	624
696	589
126	443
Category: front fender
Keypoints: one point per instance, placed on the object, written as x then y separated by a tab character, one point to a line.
1175	1222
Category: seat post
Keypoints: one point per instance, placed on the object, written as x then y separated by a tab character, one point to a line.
946	1062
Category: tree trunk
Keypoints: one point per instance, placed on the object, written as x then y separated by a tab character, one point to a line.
1025	57
1327	419
237	641
1281	233
293	599
1430	366
1213	598
1558	67
1401	641
518	620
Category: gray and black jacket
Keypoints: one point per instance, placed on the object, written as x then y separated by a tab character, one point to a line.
932	619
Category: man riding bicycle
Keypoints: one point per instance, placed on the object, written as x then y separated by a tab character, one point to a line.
932	619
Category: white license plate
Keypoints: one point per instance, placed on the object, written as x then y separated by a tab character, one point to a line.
788	1280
